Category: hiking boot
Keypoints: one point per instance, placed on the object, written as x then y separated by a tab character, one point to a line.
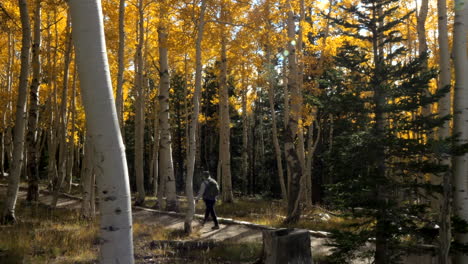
215	227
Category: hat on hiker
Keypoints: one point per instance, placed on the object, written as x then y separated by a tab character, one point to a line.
206	174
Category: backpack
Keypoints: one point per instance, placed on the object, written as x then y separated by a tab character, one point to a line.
211	190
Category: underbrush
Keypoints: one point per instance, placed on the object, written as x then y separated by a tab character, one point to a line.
43	235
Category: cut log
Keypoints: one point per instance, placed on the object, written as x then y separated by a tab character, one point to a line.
291	246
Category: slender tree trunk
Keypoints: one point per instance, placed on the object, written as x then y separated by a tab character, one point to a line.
6	134
300	83
292	157
245	139
444	110
154	166
421	26
224	121
71	139
194	121
31	137
62	137
140	113
271	100
8	215
114	203
121	67
165	149
87	179
286	119
460	163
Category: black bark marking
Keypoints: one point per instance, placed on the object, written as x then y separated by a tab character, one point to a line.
110	198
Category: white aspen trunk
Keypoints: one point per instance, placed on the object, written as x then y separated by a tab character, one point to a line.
8	215
444	204
96	89
460	163
31	136
194	122
140	113
121	67
165	149
62	134
224	121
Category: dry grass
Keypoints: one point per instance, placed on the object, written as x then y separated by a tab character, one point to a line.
269	213
43	235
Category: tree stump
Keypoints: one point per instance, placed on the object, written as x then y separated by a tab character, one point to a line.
286	246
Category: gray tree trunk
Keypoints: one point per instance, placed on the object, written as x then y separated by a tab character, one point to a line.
444	204
194	121
31	137
140	110
292	157
62	134
460	163
121	67
8	214
224	120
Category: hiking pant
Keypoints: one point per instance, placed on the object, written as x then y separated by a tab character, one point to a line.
210	211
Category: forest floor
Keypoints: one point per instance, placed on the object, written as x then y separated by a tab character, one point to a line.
44	235
62	236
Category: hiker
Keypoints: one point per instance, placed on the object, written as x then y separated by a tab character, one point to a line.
209	189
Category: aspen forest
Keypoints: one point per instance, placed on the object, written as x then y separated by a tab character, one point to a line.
306	131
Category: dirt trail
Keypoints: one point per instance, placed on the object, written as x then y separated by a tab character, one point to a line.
231	231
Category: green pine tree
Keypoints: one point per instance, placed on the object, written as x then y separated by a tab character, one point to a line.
383	148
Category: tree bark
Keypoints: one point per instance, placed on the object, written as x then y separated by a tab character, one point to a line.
444	110
165	149
194	121
6	134
245	140
292	157
87	180
62	134
8	215
113	183
121	67
31	137
140	113
224	120
460	163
